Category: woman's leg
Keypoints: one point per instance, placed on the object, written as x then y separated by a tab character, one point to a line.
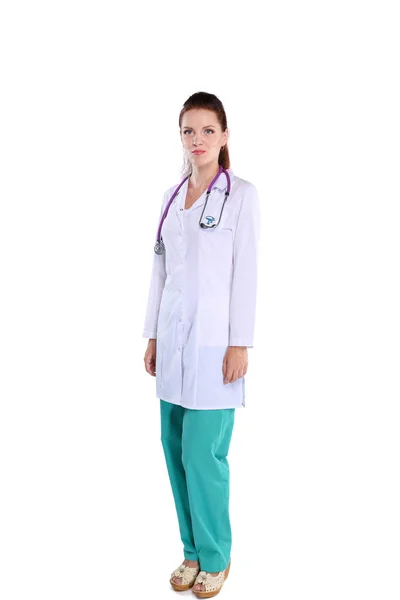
205	444
171	438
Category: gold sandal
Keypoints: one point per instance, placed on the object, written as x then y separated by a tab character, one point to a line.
212	583
188	575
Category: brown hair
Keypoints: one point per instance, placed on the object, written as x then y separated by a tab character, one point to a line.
209	102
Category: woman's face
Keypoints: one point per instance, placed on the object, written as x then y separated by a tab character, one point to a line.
200	130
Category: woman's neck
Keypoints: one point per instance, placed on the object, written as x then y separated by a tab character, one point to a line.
203	176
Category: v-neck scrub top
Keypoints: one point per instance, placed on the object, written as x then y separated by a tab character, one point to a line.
202	295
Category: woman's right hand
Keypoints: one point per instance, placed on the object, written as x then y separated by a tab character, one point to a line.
150	357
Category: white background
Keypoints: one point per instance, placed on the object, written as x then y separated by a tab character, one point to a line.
91	93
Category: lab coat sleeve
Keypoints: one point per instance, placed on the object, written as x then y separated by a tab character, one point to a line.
157	281
245	267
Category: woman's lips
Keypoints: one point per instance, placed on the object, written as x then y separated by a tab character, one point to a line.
198	152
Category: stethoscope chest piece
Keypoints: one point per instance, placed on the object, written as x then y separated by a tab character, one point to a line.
159	248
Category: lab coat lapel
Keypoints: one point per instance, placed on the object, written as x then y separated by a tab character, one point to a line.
179	204
215	200
181	199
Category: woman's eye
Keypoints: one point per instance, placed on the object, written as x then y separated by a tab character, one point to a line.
189	130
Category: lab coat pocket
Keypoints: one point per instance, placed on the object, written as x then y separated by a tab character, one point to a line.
218	240
221	235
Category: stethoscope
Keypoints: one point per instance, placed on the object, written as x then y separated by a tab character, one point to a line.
159	248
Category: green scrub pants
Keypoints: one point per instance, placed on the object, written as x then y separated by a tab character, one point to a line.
196	444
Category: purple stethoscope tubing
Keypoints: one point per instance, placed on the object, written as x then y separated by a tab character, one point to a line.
159	247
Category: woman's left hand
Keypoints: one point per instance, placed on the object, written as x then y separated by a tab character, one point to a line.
235	363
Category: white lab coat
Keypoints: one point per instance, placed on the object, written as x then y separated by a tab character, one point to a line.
202	295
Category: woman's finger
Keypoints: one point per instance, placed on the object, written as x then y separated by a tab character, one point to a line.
146	364
224	366
228	374
150	364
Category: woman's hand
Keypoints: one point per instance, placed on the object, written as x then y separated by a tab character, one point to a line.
150	357
235	363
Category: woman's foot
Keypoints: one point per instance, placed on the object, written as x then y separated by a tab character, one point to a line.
200	587
189	563
207	585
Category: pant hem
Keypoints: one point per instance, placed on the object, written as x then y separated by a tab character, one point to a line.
213	567
191	556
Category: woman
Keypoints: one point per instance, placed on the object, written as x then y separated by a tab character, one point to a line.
200	321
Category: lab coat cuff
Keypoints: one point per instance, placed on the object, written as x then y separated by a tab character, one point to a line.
241	342
149	334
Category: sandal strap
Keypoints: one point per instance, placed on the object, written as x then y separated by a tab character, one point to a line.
211	582
186	573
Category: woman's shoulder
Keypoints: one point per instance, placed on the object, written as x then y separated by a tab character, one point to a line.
246	197
169	191
243	185
168	194
245	193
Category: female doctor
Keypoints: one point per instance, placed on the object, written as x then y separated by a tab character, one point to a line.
200	321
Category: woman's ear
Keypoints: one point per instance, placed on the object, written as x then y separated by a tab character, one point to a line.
226	137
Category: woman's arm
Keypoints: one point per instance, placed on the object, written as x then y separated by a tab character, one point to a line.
157	281
245	263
